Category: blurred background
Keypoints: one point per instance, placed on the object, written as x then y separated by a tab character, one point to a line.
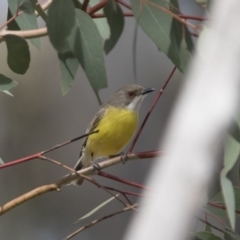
38	117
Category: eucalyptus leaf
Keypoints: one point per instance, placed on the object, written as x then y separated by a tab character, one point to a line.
68	65
115	20
85	43
228	194
25	21
207	236
154	17
12	25
6	83
60	21
231	153
18	53
1	161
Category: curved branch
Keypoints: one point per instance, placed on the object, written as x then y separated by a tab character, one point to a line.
69	178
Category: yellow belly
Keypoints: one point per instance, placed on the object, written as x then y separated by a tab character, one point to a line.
115	131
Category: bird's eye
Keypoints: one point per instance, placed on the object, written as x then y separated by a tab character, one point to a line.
131	93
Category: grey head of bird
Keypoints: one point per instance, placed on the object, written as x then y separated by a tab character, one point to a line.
129	97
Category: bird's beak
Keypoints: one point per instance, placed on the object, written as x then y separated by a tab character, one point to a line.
147	90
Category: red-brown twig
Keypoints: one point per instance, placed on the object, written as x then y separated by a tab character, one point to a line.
220	206
125	193
126	5
102	15
130	183
56	186
99	220
85	5
40	154
150	111
97	7
198	18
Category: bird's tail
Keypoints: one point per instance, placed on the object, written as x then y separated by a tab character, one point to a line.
84	161
77	167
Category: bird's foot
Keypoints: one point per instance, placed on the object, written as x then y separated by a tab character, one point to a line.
124	157
96	167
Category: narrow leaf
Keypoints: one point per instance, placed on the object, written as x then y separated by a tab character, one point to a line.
8	93
25	21
207	236
68	65
96	208
231	153
13	24
28	6
18	53
115	20
6	83
234	130
1	161
85	43
154	17
228	194
61	19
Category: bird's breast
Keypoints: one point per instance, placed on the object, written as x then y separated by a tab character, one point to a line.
116	128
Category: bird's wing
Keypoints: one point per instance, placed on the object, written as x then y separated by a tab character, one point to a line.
93	125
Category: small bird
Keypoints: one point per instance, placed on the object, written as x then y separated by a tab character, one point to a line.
116	122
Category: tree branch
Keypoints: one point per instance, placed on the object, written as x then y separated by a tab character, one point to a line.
69	178
99	220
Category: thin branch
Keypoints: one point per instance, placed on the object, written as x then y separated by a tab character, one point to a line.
126	5
28	34
85	177
98	220
125	192
113	177
198	18
38	155
97	7
220	206
150	110
85	5
69	178
213	226
102	15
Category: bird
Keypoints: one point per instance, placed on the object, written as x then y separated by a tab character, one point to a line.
115	124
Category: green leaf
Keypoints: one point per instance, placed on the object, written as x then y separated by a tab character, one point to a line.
208	228
231	235
101	23
166	32
18	53
231	153
115	20
13	24
228	194
85	43
207	236
68	65
6	83
61	19
96	208
8	93
1	161
25	21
